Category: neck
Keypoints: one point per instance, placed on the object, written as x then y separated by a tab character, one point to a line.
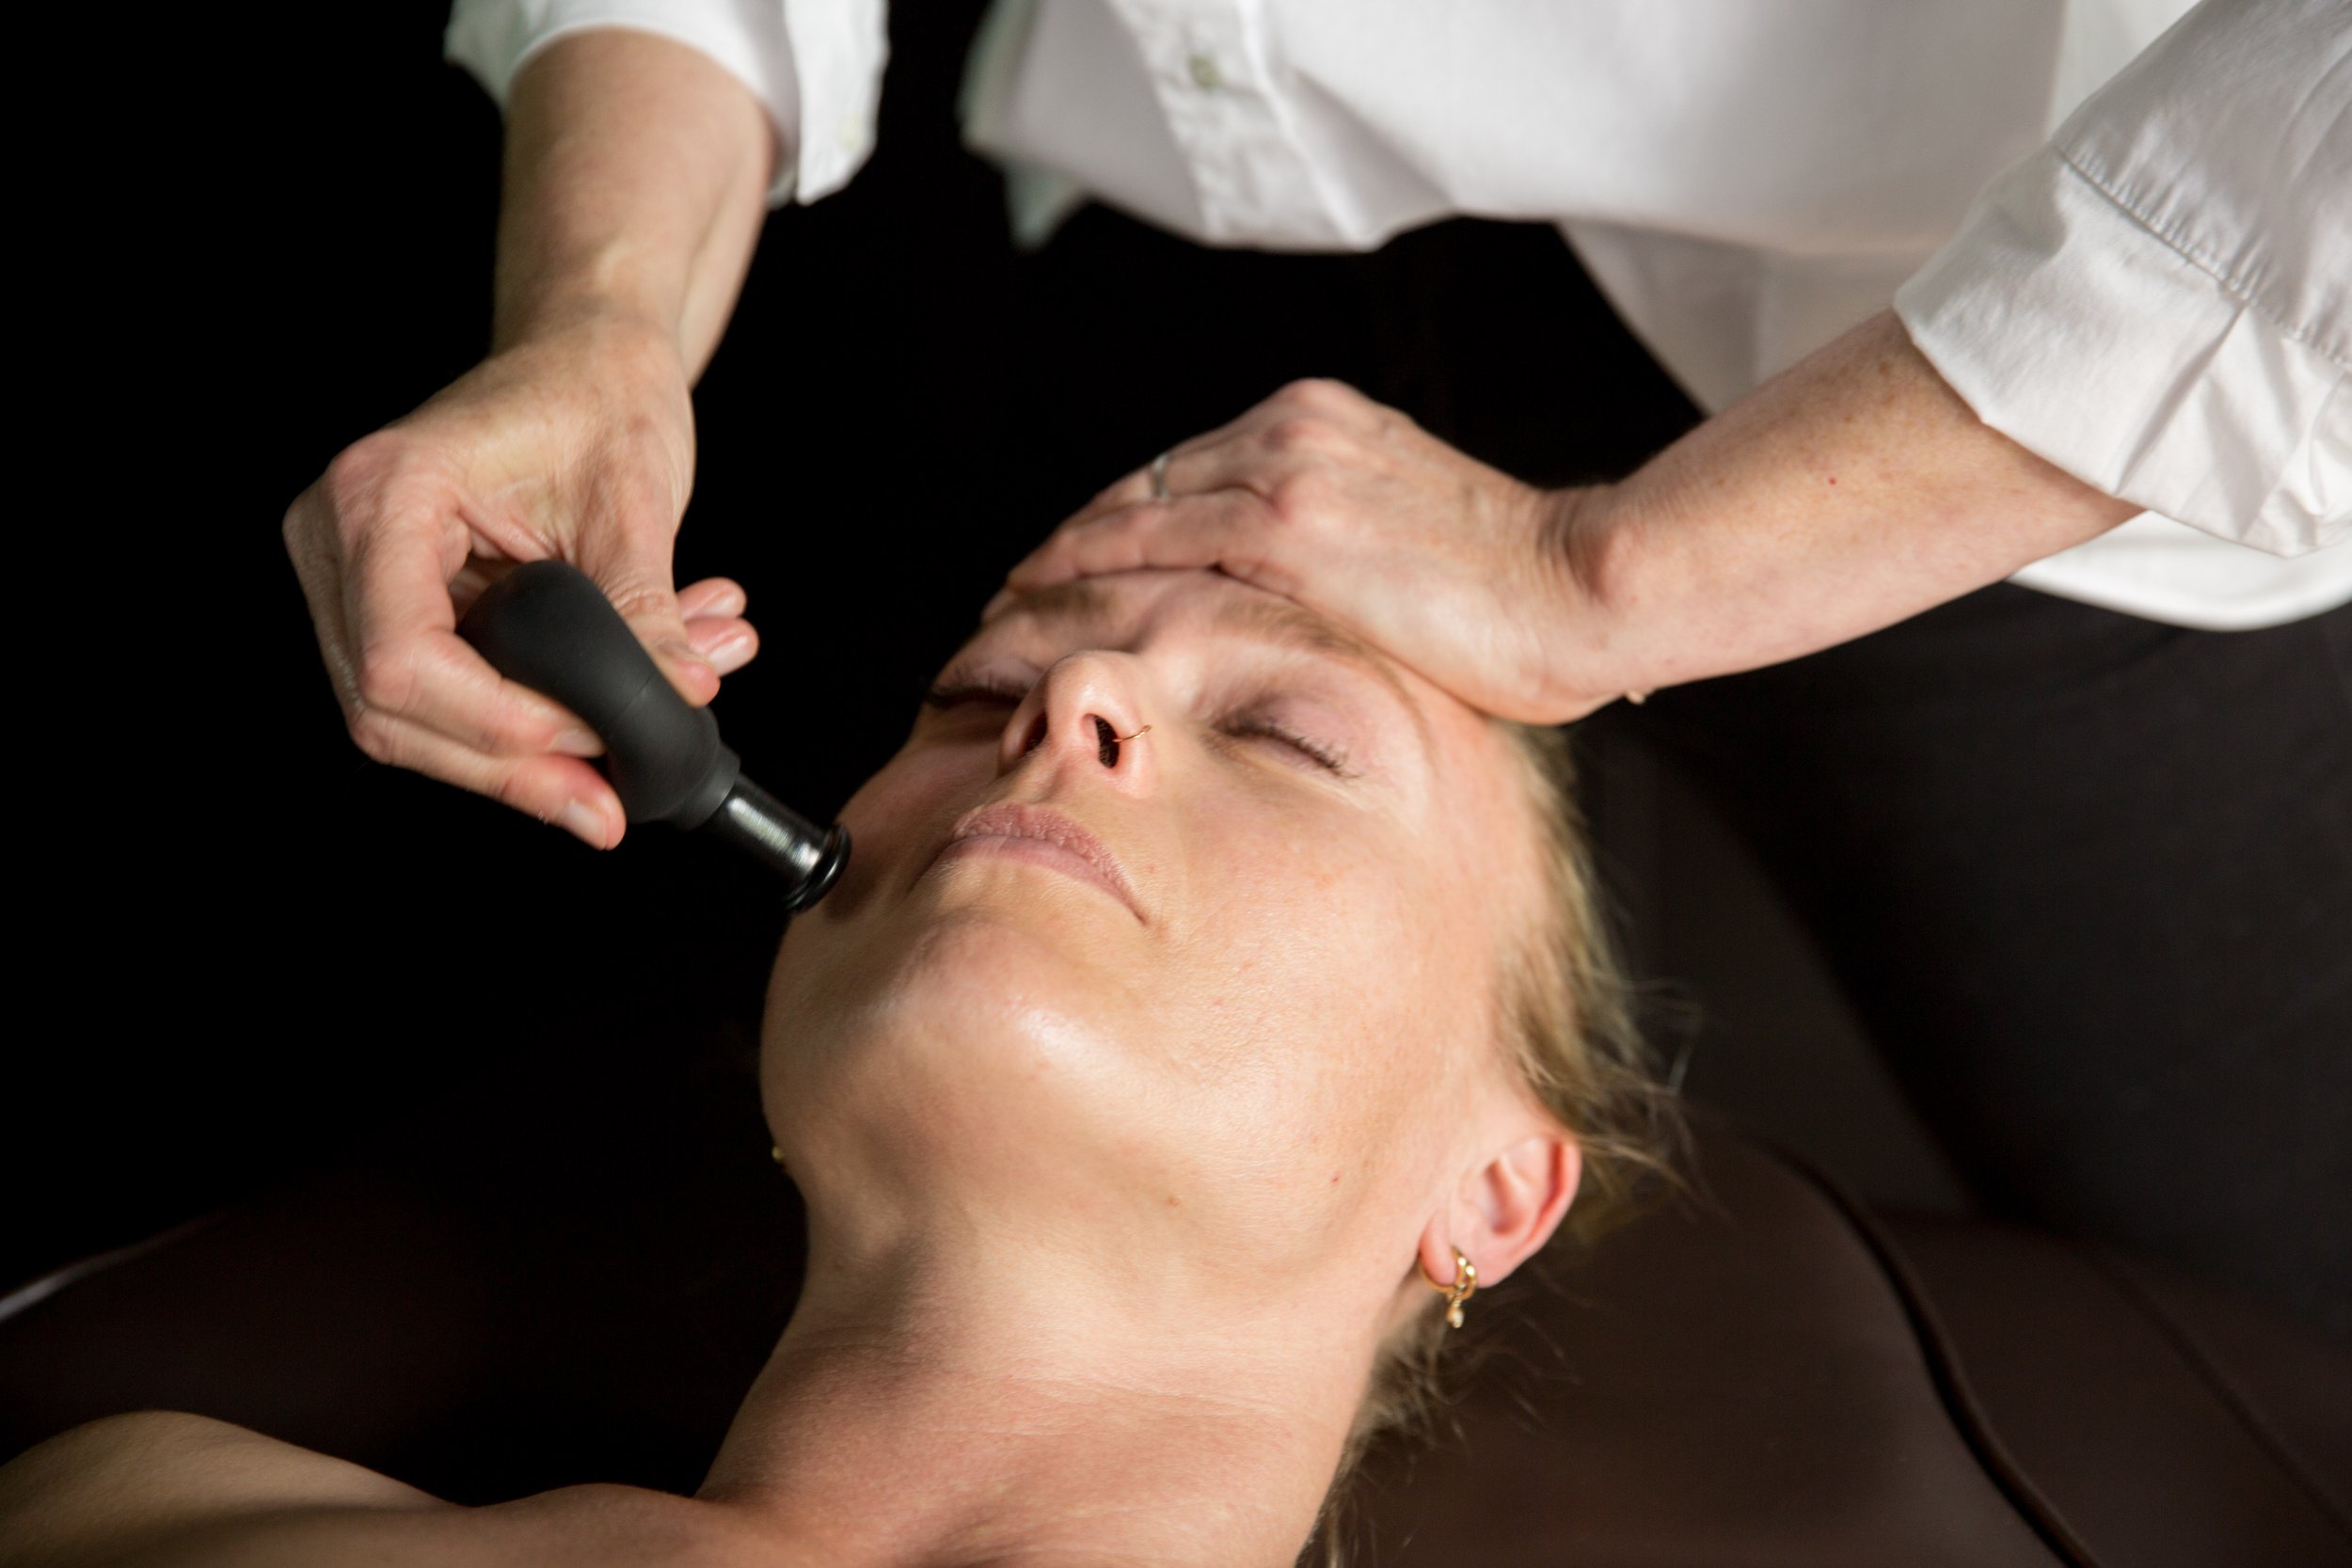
959	1398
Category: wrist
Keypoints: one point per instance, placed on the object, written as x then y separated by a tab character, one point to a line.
1591	539
605	308
591	387
605	346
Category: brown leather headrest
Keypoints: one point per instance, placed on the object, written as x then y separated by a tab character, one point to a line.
1764	1375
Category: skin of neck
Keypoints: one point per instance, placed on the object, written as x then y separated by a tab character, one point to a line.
956	1392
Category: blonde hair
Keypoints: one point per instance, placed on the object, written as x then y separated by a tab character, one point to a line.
1568	1031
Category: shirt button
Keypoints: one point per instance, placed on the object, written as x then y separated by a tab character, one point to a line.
1205	75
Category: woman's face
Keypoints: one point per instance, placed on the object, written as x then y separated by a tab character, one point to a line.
1234	977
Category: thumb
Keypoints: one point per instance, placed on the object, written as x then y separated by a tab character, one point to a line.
638	584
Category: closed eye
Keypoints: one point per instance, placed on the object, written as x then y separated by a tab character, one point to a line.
952	693
1255	728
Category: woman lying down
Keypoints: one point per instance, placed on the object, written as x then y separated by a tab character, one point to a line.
1211	1006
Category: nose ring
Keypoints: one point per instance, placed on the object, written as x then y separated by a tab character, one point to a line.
1107	741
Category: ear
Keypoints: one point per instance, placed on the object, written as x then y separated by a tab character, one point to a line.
1506	1210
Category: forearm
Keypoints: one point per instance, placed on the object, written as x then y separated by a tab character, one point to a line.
636	182
1850	492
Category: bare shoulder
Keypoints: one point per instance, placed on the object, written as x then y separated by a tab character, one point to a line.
159	1488
105	1490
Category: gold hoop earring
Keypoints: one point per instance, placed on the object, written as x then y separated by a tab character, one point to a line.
1463	1286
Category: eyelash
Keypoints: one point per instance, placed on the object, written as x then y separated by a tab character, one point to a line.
953	694
1322	756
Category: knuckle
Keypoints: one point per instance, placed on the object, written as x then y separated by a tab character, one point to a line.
374	732
1299	498
1301	435
313	556
1318	393
492	728
360	470
511	787
640	600
294	527
383	479
385	676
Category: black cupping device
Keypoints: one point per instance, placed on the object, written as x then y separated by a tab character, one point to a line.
549	626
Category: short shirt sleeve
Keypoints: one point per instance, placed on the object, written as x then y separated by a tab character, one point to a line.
816	65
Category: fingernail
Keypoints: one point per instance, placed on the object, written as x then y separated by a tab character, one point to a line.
730	656
707	635
579	743
585	822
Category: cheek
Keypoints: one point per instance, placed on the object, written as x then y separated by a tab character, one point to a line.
896	815
1335	998
903	807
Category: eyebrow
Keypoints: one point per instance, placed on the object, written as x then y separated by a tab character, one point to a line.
1287	624
1080	600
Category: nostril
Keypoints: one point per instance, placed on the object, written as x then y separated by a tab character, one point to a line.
1107	743
1034	737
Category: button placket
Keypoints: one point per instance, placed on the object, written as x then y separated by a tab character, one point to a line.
1251	184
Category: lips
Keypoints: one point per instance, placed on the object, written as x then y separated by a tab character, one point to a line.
1044	837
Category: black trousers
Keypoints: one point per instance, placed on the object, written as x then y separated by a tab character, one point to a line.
2088	881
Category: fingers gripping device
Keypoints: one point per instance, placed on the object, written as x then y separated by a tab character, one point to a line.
549	626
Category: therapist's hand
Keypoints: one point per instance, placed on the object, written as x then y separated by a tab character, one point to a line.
576	444
1850	492
634	188
1322	496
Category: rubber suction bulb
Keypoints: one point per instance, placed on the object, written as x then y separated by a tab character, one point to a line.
546	626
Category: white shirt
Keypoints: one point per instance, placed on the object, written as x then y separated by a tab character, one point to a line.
2158	299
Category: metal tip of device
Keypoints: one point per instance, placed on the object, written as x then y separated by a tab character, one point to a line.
834	855
809	858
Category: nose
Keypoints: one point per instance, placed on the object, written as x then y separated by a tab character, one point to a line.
1085	713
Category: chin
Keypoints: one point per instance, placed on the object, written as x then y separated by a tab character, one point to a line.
962	1035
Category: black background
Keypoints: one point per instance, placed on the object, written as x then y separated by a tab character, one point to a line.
248	951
